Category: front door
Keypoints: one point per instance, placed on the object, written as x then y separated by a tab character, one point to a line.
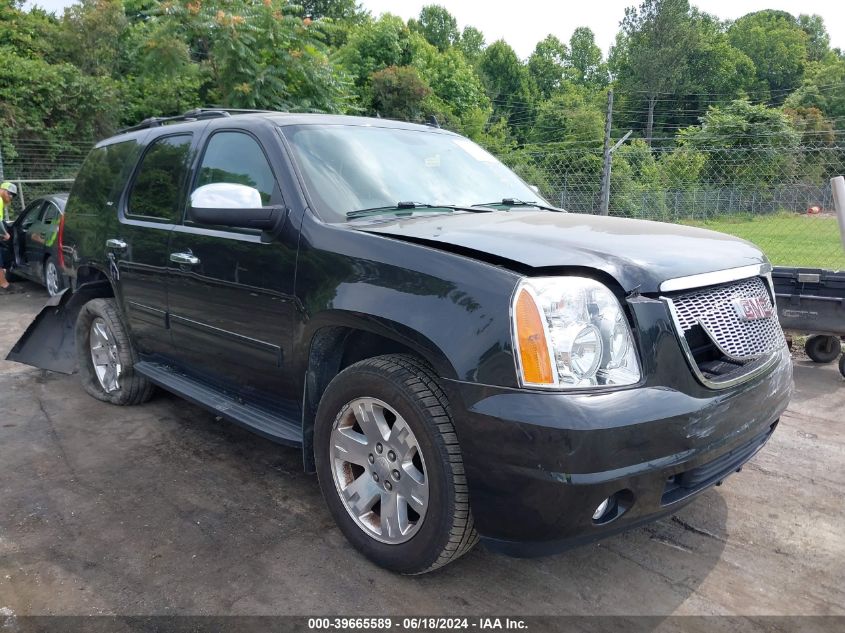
230	292
25	249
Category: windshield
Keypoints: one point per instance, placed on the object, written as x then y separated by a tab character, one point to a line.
348	167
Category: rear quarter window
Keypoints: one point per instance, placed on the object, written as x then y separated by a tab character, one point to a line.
99	183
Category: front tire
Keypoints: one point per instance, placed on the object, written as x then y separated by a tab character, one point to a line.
390	465
106	357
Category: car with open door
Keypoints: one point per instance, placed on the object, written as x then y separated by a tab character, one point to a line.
34	251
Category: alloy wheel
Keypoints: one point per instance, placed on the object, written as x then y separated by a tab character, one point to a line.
51	279
104	355
379	470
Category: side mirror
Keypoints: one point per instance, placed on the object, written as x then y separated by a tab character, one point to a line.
233	205
534	188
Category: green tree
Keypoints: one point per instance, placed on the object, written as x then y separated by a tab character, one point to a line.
92	32
334	9
744	143
814	127
32	33
569	116
681	168
398	92
823	87
509	86
715	67
585	59
437	25
451	77
376	45
547	65
777	45
253	54
716	71
54	103
471	43
652	56
818	40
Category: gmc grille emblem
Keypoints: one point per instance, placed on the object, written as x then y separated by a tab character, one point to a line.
752	308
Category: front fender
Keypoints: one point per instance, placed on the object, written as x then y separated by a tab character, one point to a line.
454	310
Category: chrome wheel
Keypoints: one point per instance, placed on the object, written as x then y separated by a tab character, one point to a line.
379	470
51	278
104	355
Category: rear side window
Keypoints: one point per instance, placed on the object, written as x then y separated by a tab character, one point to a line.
99	184
51	212
158	190
237	158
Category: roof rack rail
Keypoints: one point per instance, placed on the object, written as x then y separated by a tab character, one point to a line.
191	115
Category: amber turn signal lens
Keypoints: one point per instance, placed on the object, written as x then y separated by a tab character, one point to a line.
531	338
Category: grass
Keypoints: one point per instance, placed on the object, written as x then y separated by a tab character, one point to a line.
788	239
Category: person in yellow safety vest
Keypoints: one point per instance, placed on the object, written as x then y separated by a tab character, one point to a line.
8	191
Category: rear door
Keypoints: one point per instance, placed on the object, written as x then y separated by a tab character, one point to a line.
230	291
152	204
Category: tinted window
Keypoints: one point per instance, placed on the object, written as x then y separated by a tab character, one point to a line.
50	213
234	157
100	181
31	213
158	189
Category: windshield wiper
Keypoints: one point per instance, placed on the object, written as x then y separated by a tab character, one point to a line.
410	207
516	202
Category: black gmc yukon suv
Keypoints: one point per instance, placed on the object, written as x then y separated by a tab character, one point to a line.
456	357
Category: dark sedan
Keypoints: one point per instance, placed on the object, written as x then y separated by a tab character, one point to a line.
35	243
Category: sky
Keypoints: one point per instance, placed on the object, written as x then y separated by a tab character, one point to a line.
523	23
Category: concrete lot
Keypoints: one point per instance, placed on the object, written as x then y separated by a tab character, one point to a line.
160	509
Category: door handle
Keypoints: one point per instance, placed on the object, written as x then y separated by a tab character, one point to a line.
119	245
186	259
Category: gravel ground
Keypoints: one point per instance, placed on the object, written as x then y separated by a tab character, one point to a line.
161	509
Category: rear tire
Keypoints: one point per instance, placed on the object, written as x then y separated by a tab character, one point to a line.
397	489
823	348
106	357
53	279
842	365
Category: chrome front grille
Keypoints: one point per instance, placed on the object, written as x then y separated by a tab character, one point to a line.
713	309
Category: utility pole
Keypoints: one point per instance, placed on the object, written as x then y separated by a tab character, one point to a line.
1	162
604	206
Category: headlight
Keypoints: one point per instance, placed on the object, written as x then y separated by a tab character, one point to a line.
571	332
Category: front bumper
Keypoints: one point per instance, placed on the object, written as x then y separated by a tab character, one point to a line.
538	463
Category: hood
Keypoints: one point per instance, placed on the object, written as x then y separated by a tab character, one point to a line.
639	254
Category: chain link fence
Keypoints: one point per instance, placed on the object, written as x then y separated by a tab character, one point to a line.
777	198
40	168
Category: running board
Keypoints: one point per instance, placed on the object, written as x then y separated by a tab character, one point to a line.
285	430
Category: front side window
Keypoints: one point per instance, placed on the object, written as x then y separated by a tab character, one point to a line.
31	213
158	191
237	158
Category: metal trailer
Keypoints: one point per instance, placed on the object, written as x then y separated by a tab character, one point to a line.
812	301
